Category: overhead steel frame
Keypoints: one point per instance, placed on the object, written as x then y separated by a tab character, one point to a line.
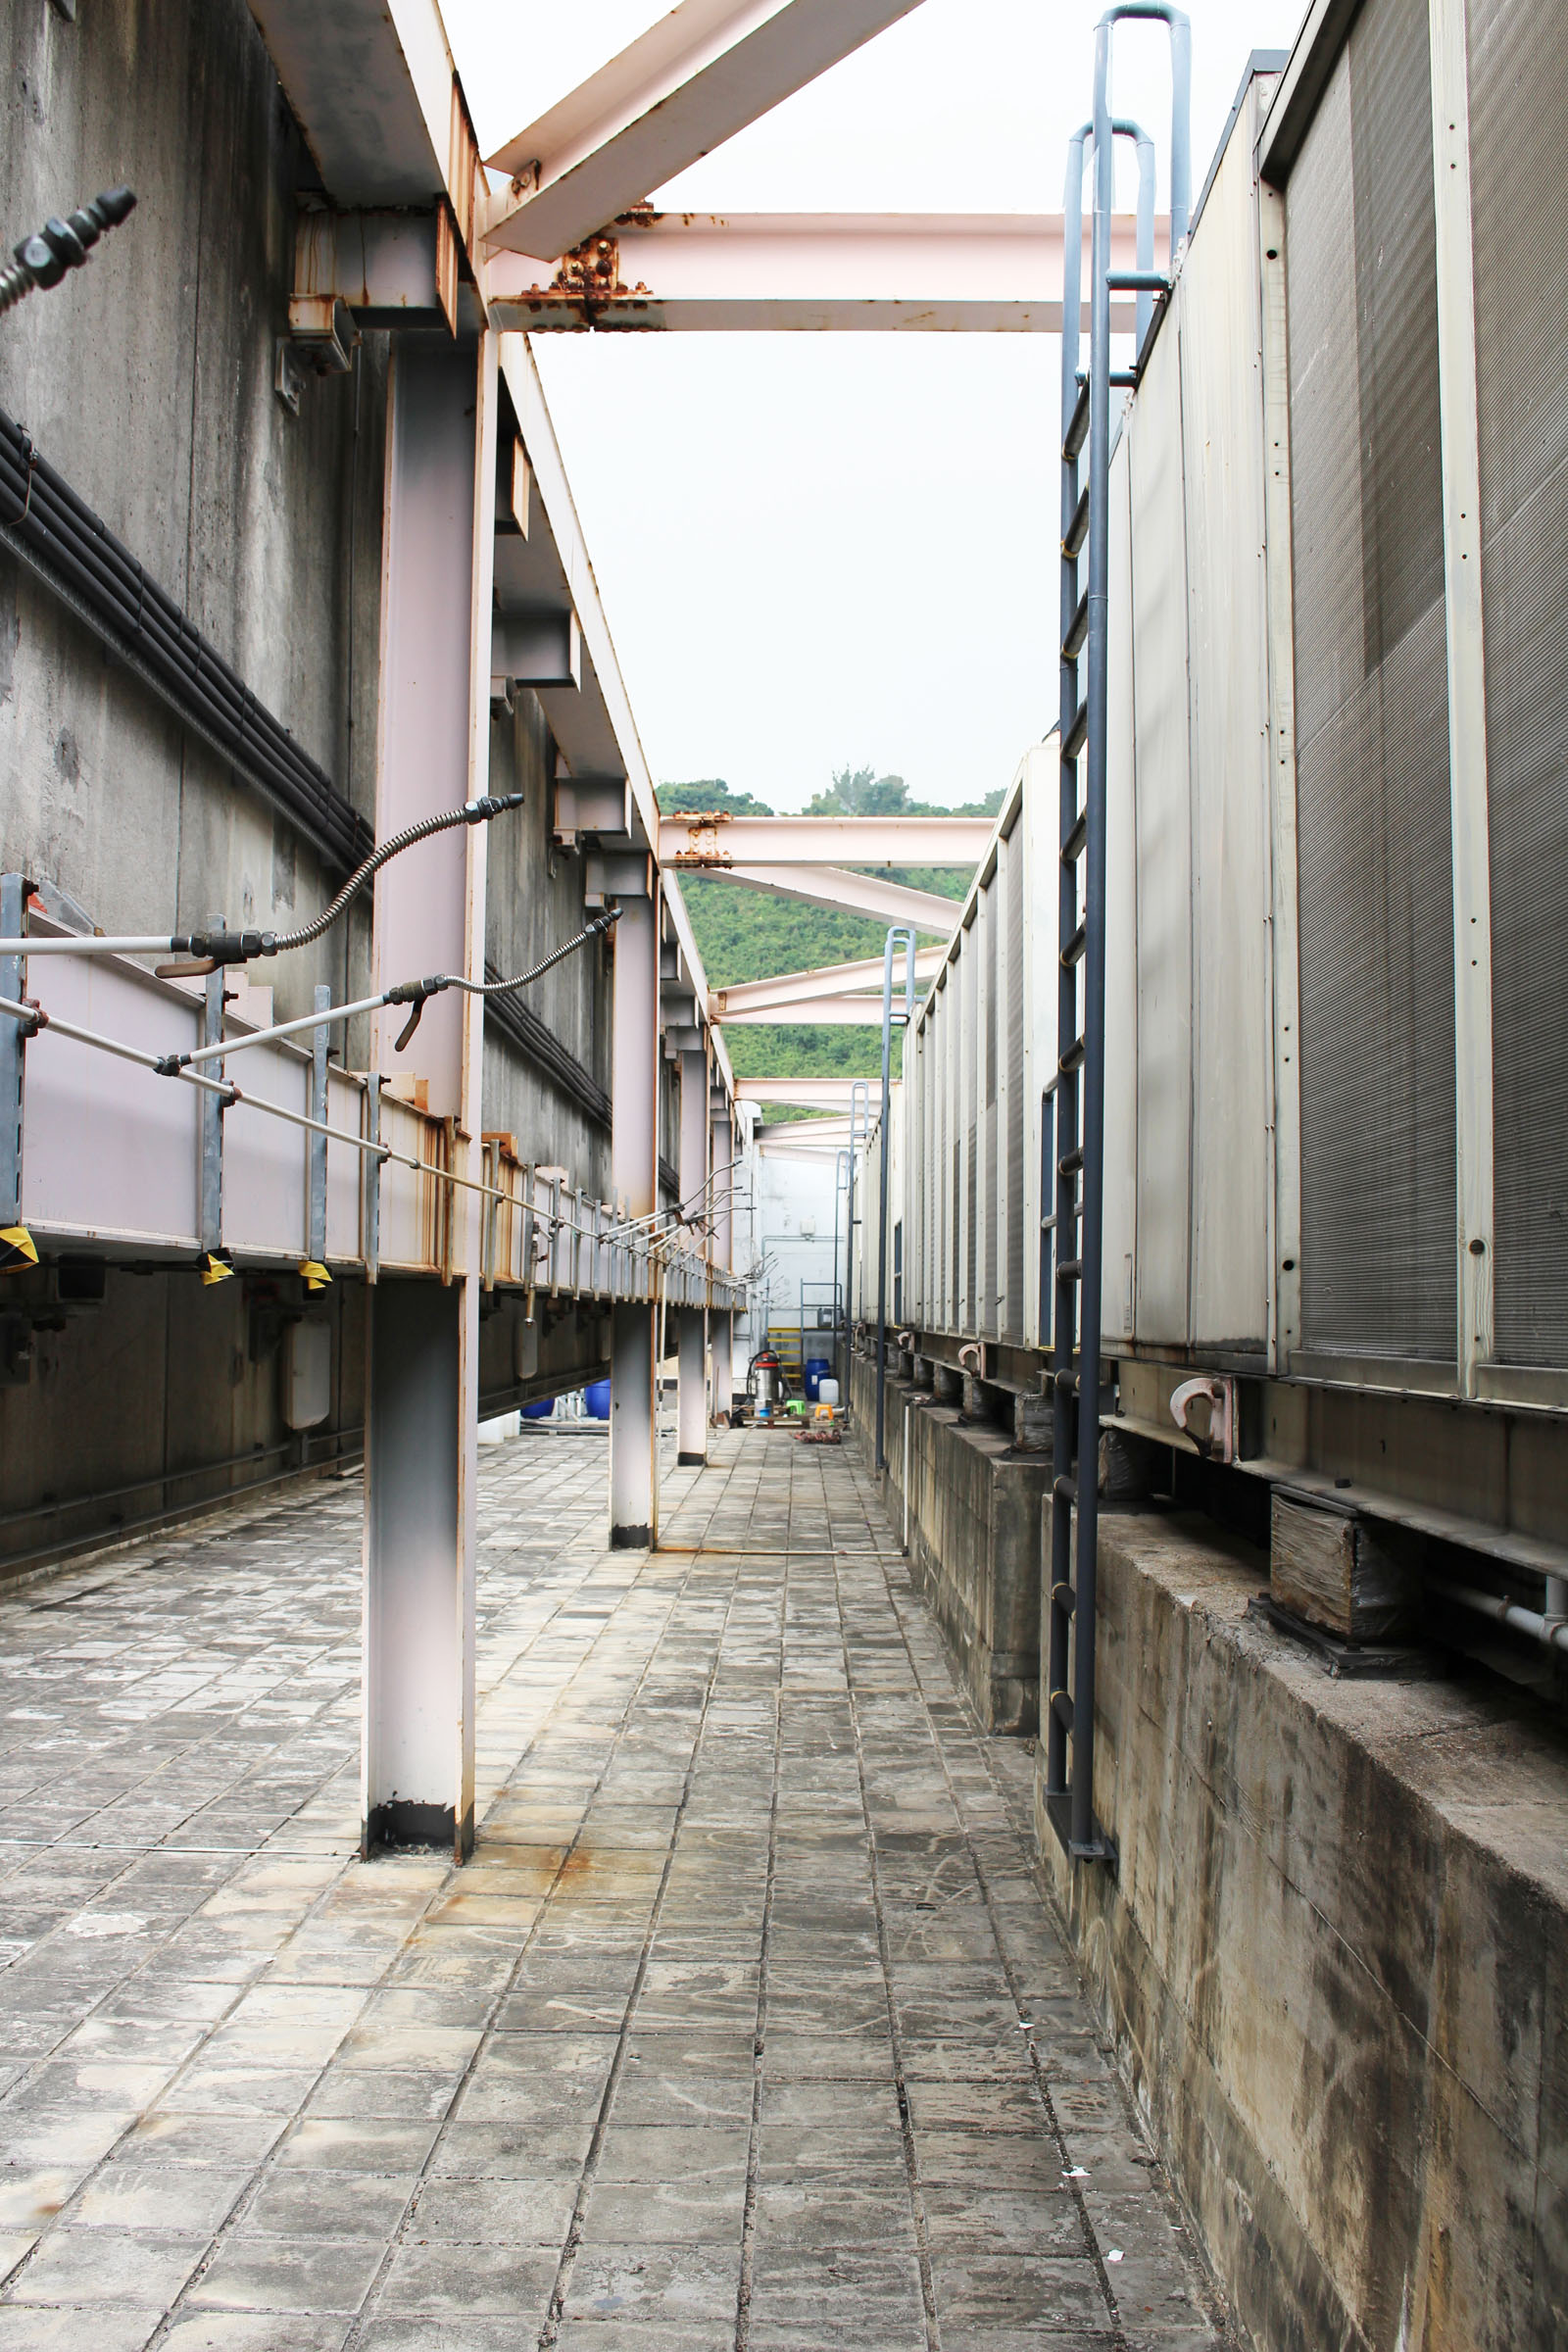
422	1342
1080	1084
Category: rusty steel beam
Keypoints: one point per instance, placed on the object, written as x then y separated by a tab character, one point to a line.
701	843
705	71
747	272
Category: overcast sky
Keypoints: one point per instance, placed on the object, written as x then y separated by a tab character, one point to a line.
819	551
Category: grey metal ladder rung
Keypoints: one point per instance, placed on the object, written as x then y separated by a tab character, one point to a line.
1072	743
1073	952
1073	1059
1072	847
1078	528
1077	629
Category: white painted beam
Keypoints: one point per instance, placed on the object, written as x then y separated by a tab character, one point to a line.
705	71
811	272
828	980
699	842
828	1012
854	894
808	1094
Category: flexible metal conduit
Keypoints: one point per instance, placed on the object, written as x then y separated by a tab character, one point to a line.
62	539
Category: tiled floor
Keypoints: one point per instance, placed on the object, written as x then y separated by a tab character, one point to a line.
745	2027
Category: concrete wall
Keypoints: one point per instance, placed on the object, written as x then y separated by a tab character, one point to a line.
147	379
972	1527
1333	1961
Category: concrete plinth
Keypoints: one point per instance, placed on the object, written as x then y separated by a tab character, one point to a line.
1332	1959
969	1506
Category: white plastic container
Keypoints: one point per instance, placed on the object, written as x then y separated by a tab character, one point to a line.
828	1392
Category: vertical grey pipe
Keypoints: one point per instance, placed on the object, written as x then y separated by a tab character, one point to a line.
1145	225
1181	109
13	1051
1092	1131
899	933
318	1154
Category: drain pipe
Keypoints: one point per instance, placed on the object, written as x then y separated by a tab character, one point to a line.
897	934
1551	1632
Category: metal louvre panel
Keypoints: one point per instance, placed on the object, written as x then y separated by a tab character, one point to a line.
990	913
1013	1324
1378	1162
970	1318
1519	75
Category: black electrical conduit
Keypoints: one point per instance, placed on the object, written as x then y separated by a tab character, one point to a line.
412	992
213	947
44	521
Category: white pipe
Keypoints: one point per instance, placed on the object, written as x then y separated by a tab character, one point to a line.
86	944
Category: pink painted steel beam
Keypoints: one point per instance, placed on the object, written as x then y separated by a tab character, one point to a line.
701	74
855	894
827	1012
745	272
701	843
828	980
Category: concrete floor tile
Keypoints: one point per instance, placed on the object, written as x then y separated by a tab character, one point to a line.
254	2332
190	2199
445	2281
78	2327
108	2265
394	2071
256	2272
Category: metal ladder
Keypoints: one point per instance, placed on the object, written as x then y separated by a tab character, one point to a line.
1074	1127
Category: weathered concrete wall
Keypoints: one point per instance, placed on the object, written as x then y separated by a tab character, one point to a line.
1334	1962
973	1519
147	379
534	903
165	1394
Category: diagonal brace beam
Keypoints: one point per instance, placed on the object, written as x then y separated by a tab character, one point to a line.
701	74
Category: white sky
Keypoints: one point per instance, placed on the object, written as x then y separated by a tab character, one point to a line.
819	551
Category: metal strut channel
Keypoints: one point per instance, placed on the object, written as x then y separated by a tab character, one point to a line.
1074	1295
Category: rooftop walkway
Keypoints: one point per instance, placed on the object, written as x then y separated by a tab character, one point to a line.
746	2026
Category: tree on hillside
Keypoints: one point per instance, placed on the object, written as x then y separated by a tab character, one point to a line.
708	798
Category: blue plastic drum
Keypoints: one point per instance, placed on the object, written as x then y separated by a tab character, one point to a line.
817	1369
596	1399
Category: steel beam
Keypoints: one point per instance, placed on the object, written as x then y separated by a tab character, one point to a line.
853	894
422	1415
802	273
827	1012
372	86
693	79
634	1056
812	1093
825	981
702	843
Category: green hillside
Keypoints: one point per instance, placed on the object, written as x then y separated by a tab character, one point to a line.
750	935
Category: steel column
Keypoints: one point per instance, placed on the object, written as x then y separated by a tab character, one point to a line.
421	1414
690	1436
721	1327
634	1062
